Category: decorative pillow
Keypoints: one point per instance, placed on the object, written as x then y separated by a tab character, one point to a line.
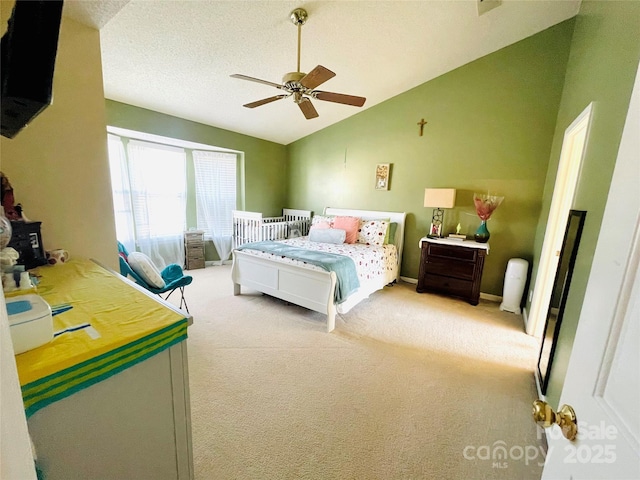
294	230
349	225
320	226
393	227
373	232
327	235
143	266
386	235
322	219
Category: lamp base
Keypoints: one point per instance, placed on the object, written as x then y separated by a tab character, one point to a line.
435	231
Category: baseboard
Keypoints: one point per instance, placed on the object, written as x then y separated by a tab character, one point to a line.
216	263
490	297
409	280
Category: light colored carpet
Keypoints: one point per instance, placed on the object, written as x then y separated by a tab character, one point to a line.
408	386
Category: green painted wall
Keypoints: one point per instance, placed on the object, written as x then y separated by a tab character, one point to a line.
264	162
605	51
490	129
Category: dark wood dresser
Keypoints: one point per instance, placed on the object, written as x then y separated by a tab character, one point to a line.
452	267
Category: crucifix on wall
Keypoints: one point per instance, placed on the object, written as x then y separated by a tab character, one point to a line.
422	123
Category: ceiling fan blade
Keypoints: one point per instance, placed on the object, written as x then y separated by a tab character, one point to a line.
316	77
308	110
340	98
265	101
257	80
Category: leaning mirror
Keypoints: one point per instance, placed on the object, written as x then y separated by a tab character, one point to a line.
561	285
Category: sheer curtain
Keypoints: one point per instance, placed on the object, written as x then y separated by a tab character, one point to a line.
158	179
215	174
149	183
122	204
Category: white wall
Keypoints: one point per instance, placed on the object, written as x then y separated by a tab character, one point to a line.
16	458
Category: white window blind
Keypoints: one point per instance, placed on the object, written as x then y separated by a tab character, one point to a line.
215	174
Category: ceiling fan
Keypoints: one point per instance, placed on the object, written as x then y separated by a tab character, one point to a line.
301	86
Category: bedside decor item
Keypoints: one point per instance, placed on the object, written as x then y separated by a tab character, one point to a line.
382	176
485	205
438	198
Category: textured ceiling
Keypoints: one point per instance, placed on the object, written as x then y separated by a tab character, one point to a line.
175	57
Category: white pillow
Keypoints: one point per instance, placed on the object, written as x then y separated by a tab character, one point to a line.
143	266
327	235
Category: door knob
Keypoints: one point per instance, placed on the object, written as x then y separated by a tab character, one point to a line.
565	418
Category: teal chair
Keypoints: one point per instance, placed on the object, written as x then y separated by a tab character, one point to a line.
173	276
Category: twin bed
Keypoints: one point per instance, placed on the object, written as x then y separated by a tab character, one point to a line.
313	287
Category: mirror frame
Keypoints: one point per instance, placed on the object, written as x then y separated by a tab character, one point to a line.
568	253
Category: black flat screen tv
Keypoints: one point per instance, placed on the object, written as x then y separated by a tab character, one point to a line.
27	61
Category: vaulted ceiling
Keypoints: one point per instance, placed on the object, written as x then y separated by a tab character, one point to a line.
176	57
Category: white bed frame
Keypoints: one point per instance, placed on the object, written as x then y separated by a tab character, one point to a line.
312	289
253	227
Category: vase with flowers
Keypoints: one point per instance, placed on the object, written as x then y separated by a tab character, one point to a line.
485	205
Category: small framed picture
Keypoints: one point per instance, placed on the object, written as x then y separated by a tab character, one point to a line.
435	230
382	176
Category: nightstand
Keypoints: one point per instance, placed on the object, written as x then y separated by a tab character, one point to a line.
452	267
194	249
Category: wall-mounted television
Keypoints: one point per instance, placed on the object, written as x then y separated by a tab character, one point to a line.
27	61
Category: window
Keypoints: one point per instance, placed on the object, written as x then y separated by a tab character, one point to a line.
215	191
150	189
158	179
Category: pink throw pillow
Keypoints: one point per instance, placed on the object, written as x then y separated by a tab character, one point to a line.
350	225
320	226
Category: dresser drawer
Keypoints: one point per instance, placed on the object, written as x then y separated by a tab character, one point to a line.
197	251
450	268
193	236
457	253
193	263
448	285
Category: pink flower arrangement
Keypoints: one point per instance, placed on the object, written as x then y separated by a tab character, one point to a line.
486	204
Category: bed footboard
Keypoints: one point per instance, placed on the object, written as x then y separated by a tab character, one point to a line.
312	289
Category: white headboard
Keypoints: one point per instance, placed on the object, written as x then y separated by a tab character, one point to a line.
397	217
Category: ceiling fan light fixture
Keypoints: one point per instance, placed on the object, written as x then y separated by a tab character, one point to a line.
300	84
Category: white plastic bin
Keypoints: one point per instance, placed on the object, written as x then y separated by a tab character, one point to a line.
514	282
30	322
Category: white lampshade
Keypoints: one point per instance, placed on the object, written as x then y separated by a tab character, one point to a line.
440	197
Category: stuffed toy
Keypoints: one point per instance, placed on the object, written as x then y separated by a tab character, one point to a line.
11	211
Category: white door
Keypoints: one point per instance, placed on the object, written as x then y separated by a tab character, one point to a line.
603	376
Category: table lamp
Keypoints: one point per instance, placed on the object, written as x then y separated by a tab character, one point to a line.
438	198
